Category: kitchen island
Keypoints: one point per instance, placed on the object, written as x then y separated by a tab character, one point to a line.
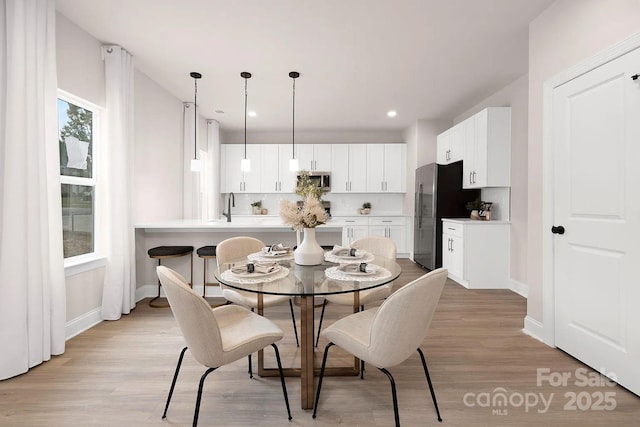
197	233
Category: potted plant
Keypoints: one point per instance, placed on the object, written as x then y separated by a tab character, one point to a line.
475	207
256	207
365	209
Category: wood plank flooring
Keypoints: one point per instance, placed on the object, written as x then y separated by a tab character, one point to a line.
118	374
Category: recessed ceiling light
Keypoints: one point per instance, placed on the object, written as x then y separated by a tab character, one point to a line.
219	111
252	114
392	113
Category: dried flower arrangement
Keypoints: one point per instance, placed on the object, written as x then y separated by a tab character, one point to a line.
306	187
310	215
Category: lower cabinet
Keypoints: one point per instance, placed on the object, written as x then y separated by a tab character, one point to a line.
356	227
476	253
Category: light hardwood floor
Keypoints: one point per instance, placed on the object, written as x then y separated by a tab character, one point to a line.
118	374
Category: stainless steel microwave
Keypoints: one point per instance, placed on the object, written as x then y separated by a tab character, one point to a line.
320	179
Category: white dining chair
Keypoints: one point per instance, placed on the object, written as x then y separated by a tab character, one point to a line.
216	337
236	248
380	247
386	336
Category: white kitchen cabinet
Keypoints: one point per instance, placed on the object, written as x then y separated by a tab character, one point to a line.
314	157
476	253
232	178
386	168
391	227
450	146
487	153
453	249
354	228
275	176
349	168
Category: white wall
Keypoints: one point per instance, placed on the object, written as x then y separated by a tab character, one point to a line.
324	137
515	96
158	135
158	152
568	32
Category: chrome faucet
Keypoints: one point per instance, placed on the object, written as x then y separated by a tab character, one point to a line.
231	201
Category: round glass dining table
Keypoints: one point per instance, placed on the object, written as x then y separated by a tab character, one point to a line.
307	282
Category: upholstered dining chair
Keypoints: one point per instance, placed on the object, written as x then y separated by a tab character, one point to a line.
236	248
386	336
380	247
218	336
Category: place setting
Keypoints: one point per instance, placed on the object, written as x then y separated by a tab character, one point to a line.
255	272
348	255
357	271
277	252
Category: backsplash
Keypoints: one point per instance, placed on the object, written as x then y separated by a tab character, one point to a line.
501	199
341	204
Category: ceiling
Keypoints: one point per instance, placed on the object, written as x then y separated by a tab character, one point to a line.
425	59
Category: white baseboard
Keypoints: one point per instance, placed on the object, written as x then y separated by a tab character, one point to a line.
533	328
82	323
147	291
519	288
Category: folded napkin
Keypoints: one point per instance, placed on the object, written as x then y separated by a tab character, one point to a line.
258	267
346	251
278	249
363	267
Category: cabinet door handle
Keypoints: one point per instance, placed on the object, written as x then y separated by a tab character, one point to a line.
311	164
451	245
346	186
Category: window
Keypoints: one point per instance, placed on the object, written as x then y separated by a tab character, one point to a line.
77	125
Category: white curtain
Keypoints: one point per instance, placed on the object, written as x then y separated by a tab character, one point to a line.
191	180
32	282
212	170
117	183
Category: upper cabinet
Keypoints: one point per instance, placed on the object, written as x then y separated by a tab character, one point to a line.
386	168
450	145
275	176
314	157
487	153
348	168
232	178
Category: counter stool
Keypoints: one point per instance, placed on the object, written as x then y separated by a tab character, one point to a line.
164	252
207	253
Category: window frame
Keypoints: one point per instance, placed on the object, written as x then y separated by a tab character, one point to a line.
88	261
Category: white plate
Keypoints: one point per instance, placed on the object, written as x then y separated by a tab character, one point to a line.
350	257
271	255
255	274
354	269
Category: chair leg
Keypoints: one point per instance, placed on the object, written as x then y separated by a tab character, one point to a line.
433	393
197	411
293	318
394	395
324	304
173	383
284	386
250	370
324	362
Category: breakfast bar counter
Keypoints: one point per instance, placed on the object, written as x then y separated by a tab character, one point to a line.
197	233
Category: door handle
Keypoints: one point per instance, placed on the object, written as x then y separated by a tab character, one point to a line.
557	230
451	245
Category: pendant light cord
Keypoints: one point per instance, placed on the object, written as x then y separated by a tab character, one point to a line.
293	127
245	117
195	119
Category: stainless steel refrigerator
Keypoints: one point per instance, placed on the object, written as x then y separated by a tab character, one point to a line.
439	194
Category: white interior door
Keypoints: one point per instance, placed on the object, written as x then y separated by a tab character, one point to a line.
596	137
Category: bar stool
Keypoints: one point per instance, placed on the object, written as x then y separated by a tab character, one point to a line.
207	253
164	252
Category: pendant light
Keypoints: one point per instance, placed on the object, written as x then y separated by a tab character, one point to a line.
195	163
293	162
245	164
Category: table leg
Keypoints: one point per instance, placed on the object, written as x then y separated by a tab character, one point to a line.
356	309
306	352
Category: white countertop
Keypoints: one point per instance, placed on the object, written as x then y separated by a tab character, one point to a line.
475	221
265	223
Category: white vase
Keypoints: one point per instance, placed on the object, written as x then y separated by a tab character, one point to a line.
309	252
